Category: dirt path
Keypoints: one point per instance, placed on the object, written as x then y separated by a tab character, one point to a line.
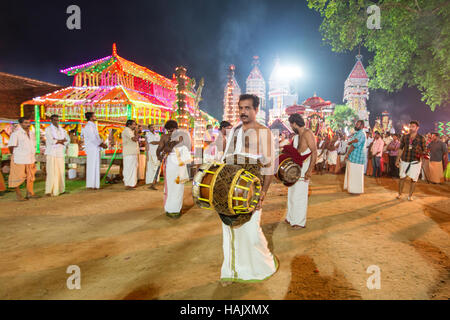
127	249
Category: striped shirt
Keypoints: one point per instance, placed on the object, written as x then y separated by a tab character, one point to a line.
358	155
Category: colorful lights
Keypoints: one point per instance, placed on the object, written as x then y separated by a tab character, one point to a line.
81	66
443	128
111	85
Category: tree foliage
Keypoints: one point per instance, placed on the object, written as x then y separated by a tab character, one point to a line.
343	116
412	48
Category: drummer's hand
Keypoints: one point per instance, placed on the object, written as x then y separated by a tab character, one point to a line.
261	199
308	175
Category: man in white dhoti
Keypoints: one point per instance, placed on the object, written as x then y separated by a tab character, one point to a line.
152	142
332	154
354	171
57	140
409	158
246	255
92	145
130	153
177	155
304	142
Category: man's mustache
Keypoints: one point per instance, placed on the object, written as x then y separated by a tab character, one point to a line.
244	116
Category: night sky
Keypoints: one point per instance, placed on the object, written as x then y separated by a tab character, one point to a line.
205	36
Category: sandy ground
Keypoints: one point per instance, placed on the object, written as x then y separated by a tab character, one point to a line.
127	248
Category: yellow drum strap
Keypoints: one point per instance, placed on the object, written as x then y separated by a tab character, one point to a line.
231	191
213	183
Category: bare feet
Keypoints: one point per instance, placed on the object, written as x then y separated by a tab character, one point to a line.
410	198
226	283
285	221
152	187
399	197
297	227
21	198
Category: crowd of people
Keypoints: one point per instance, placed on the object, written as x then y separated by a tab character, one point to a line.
380	154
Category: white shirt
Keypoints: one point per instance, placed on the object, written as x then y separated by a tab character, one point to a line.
52	134
152	137
25	146
129	147
91	137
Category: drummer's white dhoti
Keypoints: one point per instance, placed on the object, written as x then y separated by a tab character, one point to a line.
297	205
173	191
354	178
246	255
175	177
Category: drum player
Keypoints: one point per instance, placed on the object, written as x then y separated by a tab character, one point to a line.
246	255
305	143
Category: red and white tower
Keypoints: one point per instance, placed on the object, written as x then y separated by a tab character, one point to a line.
231	98
356	90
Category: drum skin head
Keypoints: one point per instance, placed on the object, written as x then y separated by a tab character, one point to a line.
288	172
235	188
199	192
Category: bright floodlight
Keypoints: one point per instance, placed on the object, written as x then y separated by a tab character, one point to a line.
291	72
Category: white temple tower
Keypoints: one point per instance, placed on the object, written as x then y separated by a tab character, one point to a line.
256	85
356	90
280	96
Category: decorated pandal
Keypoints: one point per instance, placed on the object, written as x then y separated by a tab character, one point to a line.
116	90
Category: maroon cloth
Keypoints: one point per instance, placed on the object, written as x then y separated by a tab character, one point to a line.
290	152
